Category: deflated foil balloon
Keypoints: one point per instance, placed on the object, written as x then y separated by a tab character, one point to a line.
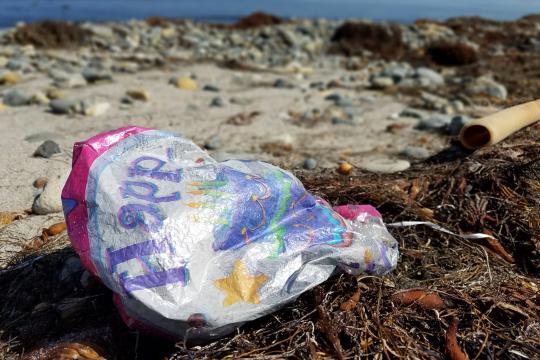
189	243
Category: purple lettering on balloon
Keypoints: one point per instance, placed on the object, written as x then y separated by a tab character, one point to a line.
146	191
145	248
137	169
133	215
154	279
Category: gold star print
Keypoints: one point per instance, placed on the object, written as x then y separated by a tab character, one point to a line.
240	286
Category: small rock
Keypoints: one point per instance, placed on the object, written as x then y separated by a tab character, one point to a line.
211	88
40	182
413	113
126	100
213	143
344	168
185	83
415	152
93	74
47	149
434	123
457	123
334	97
432	76
39	98
341	121
485	85
282	84
138	94
382	82
310	164
385	166
17	97
67	80
49	200
9	78
94	107
62	106
240	101
54	94
217	102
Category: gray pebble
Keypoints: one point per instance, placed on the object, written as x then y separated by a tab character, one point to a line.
415	152
434	123
310	164
217	102
47	149
213	143
62	106
211	88
92	74
17	97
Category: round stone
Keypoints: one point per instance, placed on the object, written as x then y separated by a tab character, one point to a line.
385	165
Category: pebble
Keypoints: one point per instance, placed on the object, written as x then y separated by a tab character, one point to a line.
17	97
138	94
282	84
385	165
335	97
62	106
47	149
40	182
344	168
457	123
54	94
211	88
434	123
93	74
94	107
49	200
341	121
432	76
217	102
415	152
382	82
65	79
39	98
213	143
413	113
485	85
185	83
9	78
310	164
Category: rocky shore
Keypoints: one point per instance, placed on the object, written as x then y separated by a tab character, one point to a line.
349	97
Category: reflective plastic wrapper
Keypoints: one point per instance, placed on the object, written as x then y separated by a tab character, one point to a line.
191	245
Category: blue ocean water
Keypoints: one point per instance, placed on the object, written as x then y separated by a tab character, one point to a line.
12	11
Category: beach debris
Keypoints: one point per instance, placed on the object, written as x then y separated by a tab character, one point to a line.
353	38
453	350
350	304
357	245
243	118
257	19
47	149
51	34
493	128
426	299
55	229
67	351
7	218
452	54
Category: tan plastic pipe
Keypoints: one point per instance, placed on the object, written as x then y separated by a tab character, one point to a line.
491	129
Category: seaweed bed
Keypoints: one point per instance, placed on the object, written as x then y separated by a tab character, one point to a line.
485	292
